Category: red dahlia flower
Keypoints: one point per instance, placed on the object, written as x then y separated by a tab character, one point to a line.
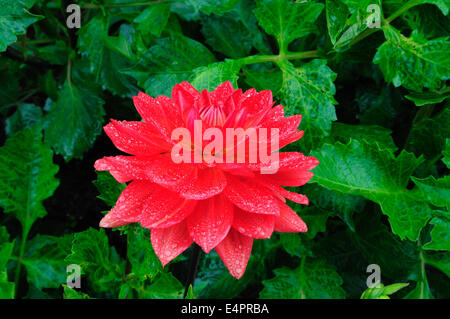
218	205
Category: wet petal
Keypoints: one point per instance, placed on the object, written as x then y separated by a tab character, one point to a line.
250	198
253	225
208	183
135	138
210	222
123	168
235	252
289	221
169	242
164	208
129	205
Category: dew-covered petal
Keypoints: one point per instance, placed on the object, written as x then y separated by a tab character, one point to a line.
161	114
235	252
185	97
135	138
164	208
221	93
249	197
292	177
169	242
210	222
123	168
254	225
208	183
129	205
175	176
289	221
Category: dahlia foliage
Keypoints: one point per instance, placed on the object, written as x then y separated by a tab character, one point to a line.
218	198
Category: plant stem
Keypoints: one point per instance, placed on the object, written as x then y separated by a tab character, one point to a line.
402	10
193	269
386	21
286	56
19	260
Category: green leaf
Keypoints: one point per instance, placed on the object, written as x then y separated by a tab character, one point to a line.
287	20
14	20
101	263
91	43
264	80
342	205
26	115
296	244
309	91
140	253
436	191
6	250
398	259
421	291
248	19
172	60
313	279
74	121
440	234
118	57
425	98
70	293
211	76
382	292
428	136
337	14
369	133
378	106
227	35
443	5
347	25
412	62
166	286
109	188
211	6
153	19
44	260
446	153
360	168
26	176
440	260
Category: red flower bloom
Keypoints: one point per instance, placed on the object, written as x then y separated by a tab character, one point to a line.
221	206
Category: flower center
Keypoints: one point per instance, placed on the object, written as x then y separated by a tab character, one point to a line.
213	115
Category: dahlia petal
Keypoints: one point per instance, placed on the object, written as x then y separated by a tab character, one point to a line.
274	115
123	168
292	177
253	225
185	97
163	171
208	183
221	93
135	138
254	101
129	205
210	222
164	208
250	198
282	193
170	242
289	221
235	252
